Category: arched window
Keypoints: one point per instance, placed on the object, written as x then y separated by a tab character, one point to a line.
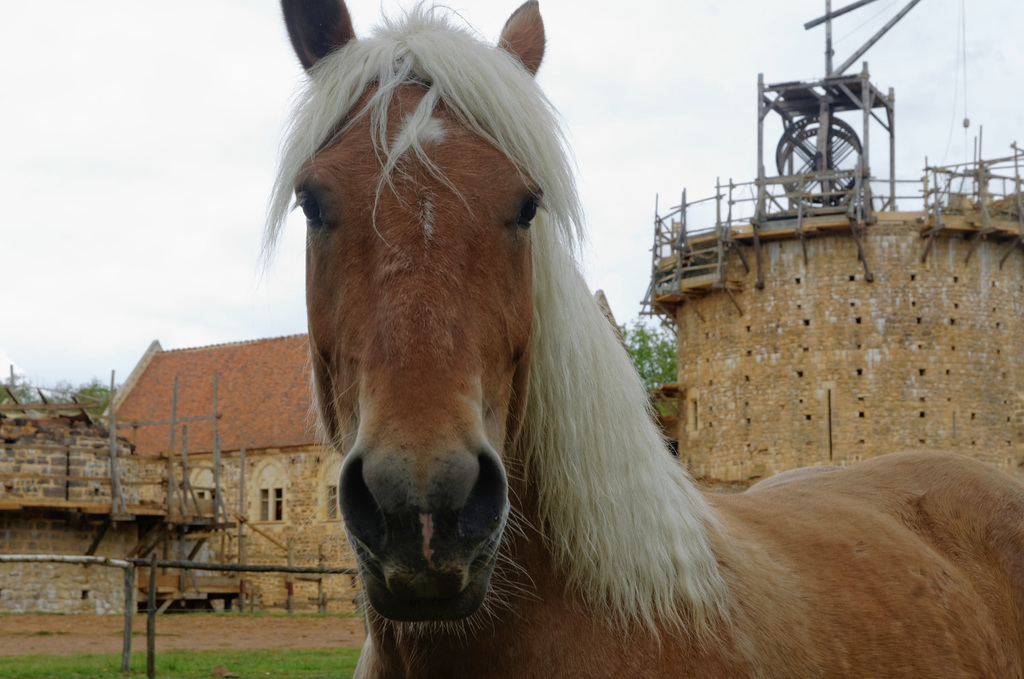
271	484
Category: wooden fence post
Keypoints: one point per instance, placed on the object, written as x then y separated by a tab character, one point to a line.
242	555
151	622
321	597
129	610
289	579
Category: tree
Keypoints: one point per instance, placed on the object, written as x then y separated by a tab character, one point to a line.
653	350
93	390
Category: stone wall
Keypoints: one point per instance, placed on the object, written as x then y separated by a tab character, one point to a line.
55	490
304	476
56	459
824	367
61	588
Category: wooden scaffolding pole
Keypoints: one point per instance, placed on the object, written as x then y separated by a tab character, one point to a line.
117	503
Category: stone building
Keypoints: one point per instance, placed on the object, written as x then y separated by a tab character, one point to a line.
831	338
250	485
260	489
56	497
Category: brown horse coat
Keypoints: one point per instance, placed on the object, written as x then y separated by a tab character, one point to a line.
908	565
510	501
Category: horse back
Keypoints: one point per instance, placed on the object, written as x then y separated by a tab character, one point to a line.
909	564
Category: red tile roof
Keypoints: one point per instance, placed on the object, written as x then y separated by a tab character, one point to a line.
262	395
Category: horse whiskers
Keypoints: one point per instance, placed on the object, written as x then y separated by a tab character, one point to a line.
498	602
517	525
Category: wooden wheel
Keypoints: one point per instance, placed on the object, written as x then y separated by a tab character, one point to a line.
799	146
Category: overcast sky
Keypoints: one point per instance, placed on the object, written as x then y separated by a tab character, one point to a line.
138	142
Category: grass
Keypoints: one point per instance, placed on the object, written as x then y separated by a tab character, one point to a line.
337	663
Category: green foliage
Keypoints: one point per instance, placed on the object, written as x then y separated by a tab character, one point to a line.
653	350
94	390
20	388
337	663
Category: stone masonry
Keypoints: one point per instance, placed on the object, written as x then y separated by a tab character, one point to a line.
824	367
57	459
57	468
60	588
305	476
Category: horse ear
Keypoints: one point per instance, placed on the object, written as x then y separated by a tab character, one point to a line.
316	27
523	35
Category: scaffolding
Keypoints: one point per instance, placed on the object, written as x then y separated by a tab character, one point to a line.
195	516
978	200
981	199
824	180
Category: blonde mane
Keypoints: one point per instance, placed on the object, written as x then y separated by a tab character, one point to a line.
622	517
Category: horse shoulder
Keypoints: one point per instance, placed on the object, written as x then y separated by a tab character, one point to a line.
902	560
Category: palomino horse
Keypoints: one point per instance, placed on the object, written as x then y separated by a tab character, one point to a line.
510	502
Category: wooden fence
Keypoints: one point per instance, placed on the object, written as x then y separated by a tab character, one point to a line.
129	566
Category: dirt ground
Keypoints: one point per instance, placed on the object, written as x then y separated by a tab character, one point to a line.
24	634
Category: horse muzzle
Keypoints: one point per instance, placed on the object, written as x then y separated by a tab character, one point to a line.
426	536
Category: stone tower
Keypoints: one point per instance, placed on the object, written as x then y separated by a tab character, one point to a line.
825	326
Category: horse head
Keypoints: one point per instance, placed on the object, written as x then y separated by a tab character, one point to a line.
418	291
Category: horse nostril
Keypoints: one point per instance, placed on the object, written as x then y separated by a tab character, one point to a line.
360	510
483	510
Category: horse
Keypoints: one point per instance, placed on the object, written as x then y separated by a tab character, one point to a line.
509	499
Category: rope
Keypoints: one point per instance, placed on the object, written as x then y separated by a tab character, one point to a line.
864	23
961	64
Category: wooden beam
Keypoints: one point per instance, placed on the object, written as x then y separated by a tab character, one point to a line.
64	558
839	12
129	610
82	506
855	229
875	38
1019	240
103	480
143	423
195	550
149	540
41	407
99	537
186	484
757	255
268	536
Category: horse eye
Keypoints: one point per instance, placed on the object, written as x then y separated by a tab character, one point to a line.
527	213
310	208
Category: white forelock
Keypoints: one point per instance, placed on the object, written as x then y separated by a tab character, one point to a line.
486	89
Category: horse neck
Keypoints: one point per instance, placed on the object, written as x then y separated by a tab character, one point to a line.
625	523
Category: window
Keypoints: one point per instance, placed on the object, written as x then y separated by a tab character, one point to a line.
271	504
203	492
271	482
692	414
332	502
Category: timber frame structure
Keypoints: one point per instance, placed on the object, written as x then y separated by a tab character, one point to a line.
981	200
824	179
824	183
195	517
